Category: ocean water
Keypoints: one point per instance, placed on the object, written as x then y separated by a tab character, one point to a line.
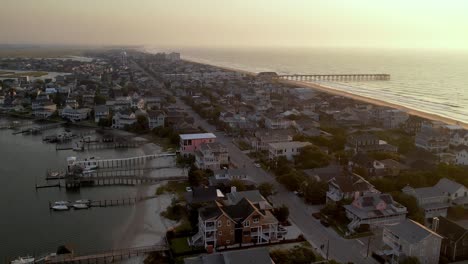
431	81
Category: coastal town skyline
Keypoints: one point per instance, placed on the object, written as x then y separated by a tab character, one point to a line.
362	23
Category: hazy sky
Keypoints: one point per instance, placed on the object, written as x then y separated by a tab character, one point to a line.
364	23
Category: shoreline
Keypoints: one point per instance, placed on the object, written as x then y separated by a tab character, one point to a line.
365	99
146	227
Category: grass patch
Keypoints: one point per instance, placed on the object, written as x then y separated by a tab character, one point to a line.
180	245
177	187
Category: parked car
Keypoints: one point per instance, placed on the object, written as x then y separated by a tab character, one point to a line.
258	165
325	223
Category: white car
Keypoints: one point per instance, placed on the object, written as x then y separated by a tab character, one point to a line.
188	189
258	165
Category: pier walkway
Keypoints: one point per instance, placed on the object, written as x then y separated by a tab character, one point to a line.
107	257
335	77
124	162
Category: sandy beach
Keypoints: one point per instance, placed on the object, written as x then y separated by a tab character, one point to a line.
356	97
146	226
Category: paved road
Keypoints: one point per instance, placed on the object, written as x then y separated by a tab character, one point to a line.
340	249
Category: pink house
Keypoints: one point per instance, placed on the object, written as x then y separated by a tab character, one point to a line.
189	143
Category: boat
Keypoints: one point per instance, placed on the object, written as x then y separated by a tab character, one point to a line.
78	206
60	207
23	260
62	203
91	164
83	201
78	147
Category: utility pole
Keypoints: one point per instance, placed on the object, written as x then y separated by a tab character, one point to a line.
328	247
368	246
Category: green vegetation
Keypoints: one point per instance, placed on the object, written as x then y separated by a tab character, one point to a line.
414	211
457	213
167	133
197	177
398	138
175	211
140	126
177	187
180	245
418	179
266	189
281	213
335	143
297	255
156	258
311	157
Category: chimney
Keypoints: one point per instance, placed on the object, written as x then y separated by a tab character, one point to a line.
435	224
233	189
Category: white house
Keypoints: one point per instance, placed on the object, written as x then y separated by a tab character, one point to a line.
123	118
211	156
286	149
461	155
411	239
374	209
156	119
75	114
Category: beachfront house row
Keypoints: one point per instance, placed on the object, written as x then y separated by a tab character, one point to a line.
75	114
101	112
156	118
242	223
431	139
437	199
286	149
123	119
459	138
211	156
411	239
374	209
189	143
394	118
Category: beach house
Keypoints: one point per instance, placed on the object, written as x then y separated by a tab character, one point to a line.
189	143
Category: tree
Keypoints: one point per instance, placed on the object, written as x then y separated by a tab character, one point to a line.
240	186
314	191
99	100
311	157
410	260
281	213
196	176
292	180
266	189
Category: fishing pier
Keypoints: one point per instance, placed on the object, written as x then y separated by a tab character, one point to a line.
335	77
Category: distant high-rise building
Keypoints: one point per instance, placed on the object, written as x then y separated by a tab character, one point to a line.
173	56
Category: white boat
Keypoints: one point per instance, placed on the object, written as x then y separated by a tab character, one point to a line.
23	260
60	207
78	206
91	167
83	201
61	203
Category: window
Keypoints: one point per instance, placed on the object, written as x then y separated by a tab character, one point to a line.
255	220
228	241
247	223
228	223
231	232
220	223
220	233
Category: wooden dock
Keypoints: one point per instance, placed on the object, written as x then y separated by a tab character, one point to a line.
77	182
113	202
125	162
39	128
107	256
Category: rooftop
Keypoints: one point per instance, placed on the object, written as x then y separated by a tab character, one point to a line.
197	136
411	231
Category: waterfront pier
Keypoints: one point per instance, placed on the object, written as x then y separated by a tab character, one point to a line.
335	77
